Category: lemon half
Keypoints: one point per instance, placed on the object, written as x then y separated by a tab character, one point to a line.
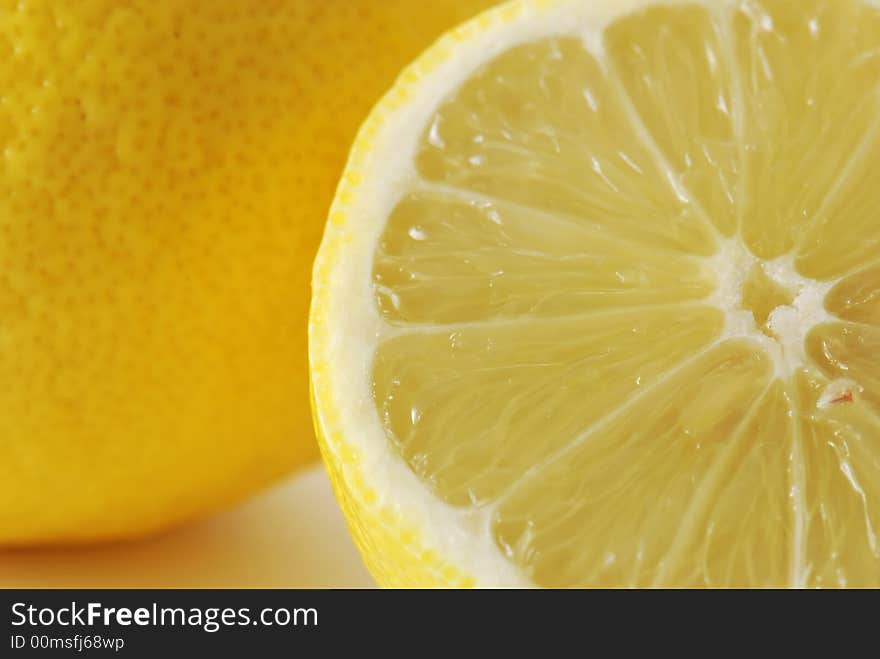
598	302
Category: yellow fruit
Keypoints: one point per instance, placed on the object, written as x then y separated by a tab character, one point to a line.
165	170
598	302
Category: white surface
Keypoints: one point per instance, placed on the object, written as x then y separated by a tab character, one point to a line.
291	536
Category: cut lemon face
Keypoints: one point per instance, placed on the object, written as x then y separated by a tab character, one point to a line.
598	302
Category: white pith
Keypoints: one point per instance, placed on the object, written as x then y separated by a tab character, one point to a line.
464	536
789	323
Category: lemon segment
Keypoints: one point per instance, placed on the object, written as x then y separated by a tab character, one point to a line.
521	370
840	499
857	298
807	72
626	485
681	52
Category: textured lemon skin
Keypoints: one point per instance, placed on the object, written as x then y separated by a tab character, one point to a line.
395	549
165	172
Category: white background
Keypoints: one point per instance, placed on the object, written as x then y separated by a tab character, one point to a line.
292	535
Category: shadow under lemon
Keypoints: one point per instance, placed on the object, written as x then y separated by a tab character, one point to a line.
292	535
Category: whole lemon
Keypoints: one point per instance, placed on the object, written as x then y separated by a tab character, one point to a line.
165	171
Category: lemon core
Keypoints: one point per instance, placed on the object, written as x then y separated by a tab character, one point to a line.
769	301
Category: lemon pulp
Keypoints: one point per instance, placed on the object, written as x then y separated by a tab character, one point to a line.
632	299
